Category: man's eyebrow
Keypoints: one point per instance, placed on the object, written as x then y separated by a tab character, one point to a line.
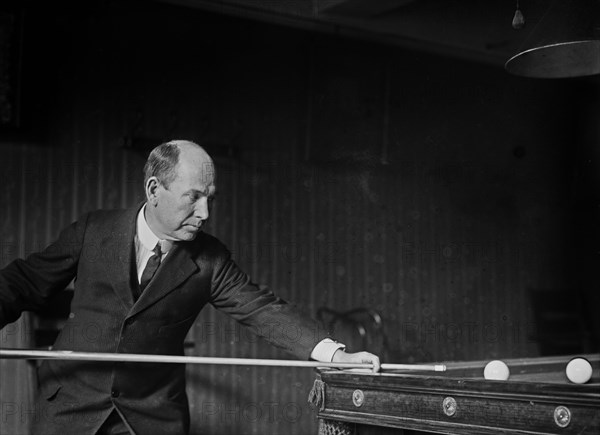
205	192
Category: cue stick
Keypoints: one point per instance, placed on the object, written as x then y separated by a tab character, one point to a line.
132	357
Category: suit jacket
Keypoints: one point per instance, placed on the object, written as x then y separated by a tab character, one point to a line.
98	250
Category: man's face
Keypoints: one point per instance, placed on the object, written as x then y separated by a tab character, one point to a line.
177	212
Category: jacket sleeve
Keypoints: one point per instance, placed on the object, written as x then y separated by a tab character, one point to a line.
281	324
26	284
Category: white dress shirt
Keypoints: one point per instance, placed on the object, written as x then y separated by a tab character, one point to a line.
145	242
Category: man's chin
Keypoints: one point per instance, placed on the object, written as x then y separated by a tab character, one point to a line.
188	235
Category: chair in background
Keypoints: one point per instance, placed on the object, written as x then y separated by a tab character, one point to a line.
359	329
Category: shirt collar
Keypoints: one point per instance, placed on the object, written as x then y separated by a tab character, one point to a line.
146	236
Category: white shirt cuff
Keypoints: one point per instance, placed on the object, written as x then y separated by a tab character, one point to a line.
325	349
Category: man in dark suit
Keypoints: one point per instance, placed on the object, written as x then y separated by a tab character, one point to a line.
142	277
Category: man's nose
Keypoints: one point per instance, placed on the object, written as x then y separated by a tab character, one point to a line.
201	209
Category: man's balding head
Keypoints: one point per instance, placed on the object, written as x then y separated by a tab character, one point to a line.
163	160
179	180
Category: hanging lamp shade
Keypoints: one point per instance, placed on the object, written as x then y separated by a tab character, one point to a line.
564	43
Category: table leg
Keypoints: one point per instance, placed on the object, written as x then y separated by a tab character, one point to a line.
333	427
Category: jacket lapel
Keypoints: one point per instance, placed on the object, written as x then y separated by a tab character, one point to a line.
175	269
121	242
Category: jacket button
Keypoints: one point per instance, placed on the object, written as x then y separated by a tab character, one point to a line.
115	393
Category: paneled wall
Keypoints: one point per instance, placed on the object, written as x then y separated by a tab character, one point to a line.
435	192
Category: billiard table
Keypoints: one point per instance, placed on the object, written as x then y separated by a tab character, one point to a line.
536	399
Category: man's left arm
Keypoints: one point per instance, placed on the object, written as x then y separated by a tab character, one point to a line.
271	317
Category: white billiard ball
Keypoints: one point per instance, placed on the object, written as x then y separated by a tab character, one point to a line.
579	370
496	370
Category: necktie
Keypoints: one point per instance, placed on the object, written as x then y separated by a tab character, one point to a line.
151	267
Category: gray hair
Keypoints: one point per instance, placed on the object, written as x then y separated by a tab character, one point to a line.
162	163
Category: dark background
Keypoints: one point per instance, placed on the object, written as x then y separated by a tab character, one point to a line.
457	202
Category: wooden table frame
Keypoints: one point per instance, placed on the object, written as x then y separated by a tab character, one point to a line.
461	401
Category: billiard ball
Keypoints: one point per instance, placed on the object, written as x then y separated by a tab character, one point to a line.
496	370
579	370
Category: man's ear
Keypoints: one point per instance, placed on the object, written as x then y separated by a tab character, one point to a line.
152	185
